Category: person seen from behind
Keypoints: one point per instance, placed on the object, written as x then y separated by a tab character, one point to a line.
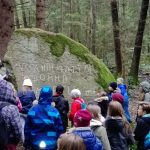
76	104
62	105
10	124
82	128
70	142
118	129
43	125
112	88
97	127
143	125
123	89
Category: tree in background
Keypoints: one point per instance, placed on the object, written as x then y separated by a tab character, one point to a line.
138	41
40	14
6	24
117	43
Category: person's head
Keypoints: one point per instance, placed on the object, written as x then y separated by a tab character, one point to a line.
70	142
120	81
46	94
118	97
115	109
82	118
59	89
112	86
27	84
75	93
144	87
143	109
95	111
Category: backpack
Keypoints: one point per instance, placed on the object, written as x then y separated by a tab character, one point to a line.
147	141
83	104
3	128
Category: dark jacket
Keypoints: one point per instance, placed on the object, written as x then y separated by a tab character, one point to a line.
141	130
119	137
26	98
62	106
43	125
90	140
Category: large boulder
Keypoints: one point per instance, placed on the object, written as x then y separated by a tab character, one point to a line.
51	59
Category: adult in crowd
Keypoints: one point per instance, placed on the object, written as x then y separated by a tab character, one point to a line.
26	96
144	91
10	124
97	127
118	129
43	125
143	125
112	88
62	105
82	128
123	89
70	142
76	104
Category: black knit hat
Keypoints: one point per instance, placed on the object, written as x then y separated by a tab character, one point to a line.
113	85
59	89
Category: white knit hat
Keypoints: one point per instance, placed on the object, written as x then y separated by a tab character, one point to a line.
75	93
27	82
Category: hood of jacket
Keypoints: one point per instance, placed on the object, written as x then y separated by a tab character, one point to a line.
7	93
94	122
46	94
114	125
145	86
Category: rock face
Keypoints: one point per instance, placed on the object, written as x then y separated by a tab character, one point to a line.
52	59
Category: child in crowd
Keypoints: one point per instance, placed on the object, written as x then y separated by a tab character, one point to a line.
143	125
70	142
43	125
123	89
62	105
144	91
82	120
76	104
96	125
118	129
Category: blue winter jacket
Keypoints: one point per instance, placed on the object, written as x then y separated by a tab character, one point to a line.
43	125
90	140
124	93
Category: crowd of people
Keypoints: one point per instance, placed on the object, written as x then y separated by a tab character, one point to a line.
48	123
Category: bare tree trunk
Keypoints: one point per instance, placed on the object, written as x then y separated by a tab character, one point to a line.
40	14
117	43
23	14
93	3
16	15
62	17
138	41
6	24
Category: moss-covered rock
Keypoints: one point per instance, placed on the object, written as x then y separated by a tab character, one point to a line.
49	58
58	42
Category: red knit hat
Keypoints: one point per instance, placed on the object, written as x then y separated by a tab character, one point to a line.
118	97
82	118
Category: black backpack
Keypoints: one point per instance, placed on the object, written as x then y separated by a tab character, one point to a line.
3	128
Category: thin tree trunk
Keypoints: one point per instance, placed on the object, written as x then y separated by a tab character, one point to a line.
6	24
16	15
62	17
23	14
93	26
138	41
117	43
40	14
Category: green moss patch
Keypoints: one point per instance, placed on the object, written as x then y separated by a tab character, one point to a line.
58	43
